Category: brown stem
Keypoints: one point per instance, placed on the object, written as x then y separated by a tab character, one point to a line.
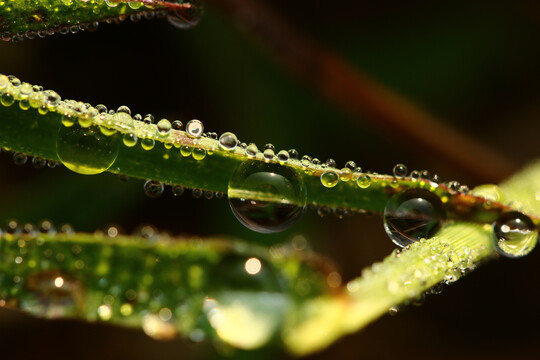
364	98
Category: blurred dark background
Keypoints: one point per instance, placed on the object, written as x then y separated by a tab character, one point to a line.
474	64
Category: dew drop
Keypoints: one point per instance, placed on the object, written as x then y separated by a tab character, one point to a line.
252	150
7	99
283	156
346	174
187	17
148	143
282	192
228	141
177	125
363	181
68	120
411	215
86	151
164	127
130	139
329	179
515	234
177	190
52	294
400	171
198	154
19	159
153	188
186	151
194	128
293	154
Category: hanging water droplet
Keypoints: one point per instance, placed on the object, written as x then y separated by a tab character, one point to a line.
281	191
153	188
228	141
400	171
130	139
198	154
194	128
411	215
85	150
186	150
186	17
68	120
515	234
363	181
53	295
177	190
329	179
7	99
148	143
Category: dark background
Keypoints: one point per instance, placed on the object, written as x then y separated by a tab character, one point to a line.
474	64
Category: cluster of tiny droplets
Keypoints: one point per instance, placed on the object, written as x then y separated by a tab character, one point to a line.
49	22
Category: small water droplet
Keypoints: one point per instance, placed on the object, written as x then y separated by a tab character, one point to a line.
346	174
282	191
515	234
329	179
413	214
198	154
19	159
252	150
228	141
268	154
177	125
400	171
194	128
177	190
85	150
364	181
283	156
153	188
293	154
330	163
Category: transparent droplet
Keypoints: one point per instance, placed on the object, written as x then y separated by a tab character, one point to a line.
329	179
68	120
85	150
187	17
20	159
177	190
330	163
266	197
194	128
153	188
228	141
268	154
148	143
413	214
515	234
130	139
164	127
252	150
52	294
293	154
363	181
346	174
7	99
177	125
400	171
198	154
283	156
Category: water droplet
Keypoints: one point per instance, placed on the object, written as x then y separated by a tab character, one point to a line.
86	151
177	190
400	171
186	151
53	295
293	154
130	139
252	150
177	125
164	127
228	141
198	154
187	17
411	215
19	159
363	181
515	234
329	179
159	327
346	174
283	156
330	163
38	162
194	128
268	154
281	192
68	120
148	143
153	188
7	99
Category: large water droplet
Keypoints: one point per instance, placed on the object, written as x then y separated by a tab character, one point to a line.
266	197
329	179
228	141
187	17
52	295
515	234
411	215
85	150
